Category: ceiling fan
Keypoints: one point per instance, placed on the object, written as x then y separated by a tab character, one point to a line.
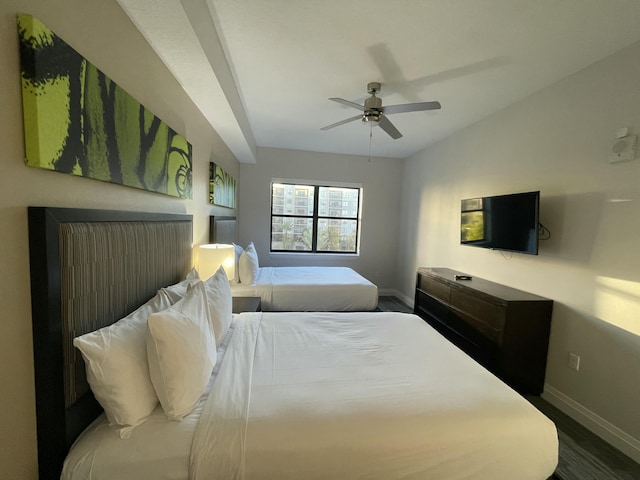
373	113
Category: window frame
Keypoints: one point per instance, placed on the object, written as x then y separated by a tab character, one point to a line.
316	217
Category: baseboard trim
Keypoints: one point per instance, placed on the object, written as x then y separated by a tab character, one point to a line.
387	292
611	434
407	300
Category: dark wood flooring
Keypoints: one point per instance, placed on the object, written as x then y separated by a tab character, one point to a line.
393	304
583	455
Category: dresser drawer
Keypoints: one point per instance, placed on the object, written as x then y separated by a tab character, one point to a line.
435	288
427	305
488	318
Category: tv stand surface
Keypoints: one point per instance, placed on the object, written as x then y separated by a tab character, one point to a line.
504	329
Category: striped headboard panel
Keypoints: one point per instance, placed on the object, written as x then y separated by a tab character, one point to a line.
222	229
89	268
107	270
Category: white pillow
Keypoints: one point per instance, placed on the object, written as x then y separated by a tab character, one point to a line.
248	265
117	370
238	251
181	351
192	275
179	290
220	302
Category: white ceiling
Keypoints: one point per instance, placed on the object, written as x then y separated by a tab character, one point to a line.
261	71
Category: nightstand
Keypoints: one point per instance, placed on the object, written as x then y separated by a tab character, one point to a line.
246	304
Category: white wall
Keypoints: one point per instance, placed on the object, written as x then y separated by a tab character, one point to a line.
557	141
380	179
104	35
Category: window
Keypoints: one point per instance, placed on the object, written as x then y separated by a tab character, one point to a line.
314	218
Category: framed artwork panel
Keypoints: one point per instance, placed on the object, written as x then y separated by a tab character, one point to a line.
79	121
222	187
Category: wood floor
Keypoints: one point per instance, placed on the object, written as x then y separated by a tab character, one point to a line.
393	304
583	455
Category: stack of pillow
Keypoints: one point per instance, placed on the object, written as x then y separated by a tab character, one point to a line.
247	265
162	352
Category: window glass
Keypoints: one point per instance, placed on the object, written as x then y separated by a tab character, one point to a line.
338	202
337	235
291	233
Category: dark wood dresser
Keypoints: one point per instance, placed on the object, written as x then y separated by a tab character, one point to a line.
504	329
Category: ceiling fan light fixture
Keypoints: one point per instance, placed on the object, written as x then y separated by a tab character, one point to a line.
371	118
374	114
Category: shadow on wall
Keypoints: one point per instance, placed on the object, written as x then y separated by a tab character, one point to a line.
596	230
599	232
573	222
614	375
615	253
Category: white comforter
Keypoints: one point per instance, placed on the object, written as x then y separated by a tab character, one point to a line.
362	396
311	289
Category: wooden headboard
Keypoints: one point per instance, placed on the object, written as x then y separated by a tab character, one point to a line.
89	268
222	229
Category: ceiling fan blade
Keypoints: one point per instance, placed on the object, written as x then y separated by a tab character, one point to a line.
342	122
411	107
348	103
388	127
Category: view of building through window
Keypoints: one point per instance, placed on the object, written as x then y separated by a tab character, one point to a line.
472	220
314	218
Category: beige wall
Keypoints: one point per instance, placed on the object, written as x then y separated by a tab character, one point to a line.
103	34
380	178
557	141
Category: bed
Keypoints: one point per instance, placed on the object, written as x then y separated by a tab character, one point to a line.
292	394
313	289
88	268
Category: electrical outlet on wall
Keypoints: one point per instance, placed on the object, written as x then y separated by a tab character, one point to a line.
574	361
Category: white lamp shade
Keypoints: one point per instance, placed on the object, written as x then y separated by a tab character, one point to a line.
212	255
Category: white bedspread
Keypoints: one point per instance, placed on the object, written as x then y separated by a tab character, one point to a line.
157	450
311	289
362	396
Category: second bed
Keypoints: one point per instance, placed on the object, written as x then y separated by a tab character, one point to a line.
310	289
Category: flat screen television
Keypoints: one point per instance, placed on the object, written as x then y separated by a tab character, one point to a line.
502	222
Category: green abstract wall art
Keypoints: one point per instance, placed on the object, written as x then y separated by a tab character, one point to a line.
222	187
78	121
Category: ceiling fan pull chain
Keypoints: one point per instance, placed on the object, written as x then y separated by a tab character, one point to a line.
370	137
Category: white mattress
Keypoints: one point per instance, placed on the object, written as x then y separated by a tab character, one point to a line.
325	395
379	396
310	289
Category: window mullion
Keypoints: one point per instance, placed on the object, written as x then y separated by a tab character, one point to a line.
316	203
